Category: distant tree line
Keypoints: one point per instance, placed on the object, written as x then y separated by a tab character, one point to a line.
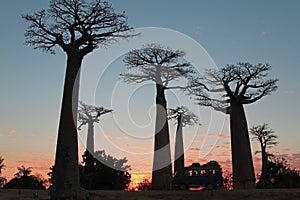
97	172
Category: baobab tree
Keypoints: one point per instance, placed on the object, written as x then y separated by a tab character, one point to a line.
241	84
160	65
89	115
183	118
77	27
264	135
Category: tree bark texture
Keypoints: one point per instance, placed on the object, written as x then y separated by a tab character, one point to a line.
242	164
162	166
66	184
179	150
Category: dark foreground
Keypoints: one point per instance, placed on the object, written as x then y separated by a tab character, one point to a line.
272	194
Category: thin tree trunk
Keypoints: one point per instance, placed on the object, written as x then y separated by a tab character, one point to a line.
179	151
90	138
242	164
263	178
66	172
162	166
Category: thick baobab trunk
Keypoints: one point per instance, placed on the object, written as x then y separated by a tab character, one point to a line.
242	164
90	138
66	183
162	166
264	169
179	151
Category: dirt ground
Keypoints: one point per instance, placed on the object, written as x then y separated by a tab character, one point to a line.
274	194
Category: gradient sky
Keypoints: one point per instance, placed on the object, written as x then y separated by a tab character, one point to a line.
230	31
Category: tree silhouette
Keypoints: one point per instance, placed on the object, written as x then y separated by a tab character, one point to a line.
23	172
280	175
144	185
24	180
2	167
183	118
78	27
264	135
89	115
242	83
160	65
101	171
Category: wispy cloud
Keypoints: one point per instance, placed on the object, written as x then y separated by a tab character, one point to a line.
289	92
216	136
107	136
227	148
264	33
198	33
12	132
194	149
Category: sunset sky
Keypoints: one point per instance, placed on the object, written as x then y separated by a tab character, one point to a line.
212	33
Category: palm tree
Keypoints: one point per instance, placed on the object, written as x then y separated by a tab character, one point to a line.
183	118
264	135
23	172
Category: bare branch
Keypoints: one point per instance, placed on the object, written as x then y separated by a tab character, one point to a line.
76	25
156	63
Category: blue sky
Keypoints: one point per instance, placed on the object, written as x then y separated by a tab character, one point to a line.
230	31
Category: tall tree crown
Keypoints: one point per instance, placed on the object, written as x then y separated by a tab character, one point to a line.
156	63
88	113
264	135
75	25
244	82
188	118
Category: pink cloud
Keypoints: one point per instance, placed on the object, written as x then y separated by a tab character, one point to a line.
194	149
216	136
107	136
12	132
197	141
198	33
51	137
227	148
263	33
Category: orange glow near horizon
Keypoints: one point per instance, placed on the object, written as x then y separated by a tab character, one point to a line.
42	162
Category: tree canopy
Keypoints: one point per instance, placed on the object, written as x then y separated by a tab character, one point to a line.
154	62
73	24
188	118
88	113
102	171
242	81
24	180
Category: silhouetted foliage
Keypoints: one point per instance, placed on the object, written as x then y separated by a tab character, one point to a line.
89	115
144	185
50	174
237	85
183	117
104	172
280	175
78	27
162	66
264	135
2	167
227	180
24	180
